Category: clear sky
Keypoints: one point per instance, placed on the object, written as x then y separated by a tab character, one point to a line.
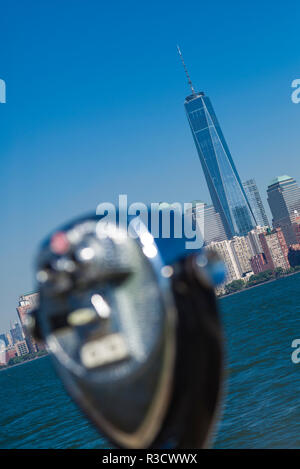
94	108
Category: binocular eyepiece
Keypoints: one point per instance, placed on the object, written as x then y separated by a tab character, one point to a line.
135	335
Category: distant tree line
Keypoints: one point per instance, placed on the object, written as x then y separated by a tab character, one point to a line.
24	358
262	277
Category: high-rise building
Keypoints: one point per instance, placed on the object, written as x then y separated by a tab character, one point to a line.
3	339
284	201
275	249
224	184
21	348
16	333
223	248
294	255
2	353
254	241
242	253
26	304
211	225
296	227
255	202
9	338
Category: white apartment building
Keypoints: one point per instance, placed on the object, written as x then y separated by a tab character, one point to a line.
223	248
242	253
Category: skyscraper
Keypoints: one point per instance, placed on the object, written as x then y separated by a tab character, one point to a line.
255	202
211	228
242	253
284	201
254	241
26	304
16	333
3	339
224	184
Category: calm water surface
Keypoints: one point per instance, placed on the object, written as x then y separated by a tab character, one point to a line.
262	404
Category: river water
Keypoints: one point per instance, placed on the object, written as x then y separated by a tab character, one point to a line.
262	404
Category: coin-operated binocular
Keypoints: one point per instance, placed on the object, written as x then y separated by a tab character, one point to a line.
133	327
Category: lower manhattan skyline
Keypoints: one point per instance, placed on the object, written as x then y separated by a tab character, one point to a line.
90	116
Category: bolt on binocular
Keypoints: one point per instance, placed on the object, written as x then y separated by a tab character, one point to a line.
134	332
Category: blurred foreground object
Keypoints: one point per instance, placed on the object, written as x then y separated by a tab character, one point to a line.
133	328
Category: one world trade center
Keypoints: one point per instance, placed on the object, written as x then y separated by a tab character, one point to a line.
224	184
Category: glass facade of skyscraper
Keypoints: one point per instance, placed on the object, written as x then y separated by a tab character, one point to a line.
255	202
226	190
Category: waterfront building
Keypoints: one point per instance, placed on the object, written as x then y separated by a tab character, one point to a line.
21	348
255	202
259	263
236	254
223	181
26	303
9	338
275	248
284	201
3	339
223	248
294	255
242	253
10	353
296	227
16	333
254	241
2	353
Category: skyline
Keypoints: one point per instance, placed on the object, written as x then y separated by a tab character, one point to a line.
93	95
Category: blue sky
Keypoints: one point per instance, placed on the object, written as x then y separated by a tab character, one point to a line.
94	108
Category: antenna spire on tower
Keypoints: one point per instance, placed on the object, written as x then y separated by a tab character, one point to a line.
186	71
